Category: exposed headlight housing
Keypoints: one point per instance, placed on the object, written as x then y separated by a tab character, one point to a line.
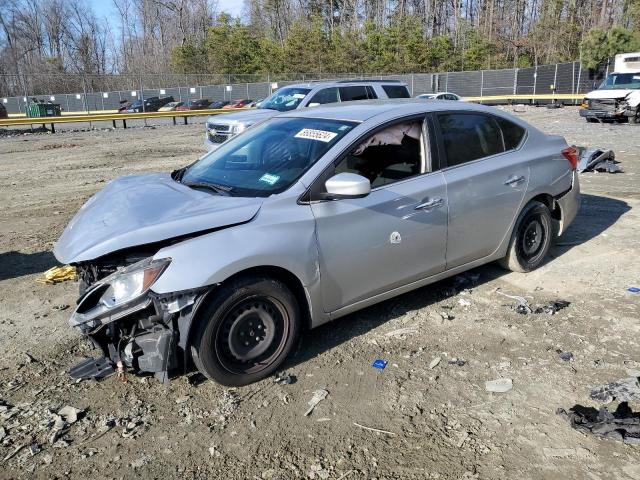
119	294
131	282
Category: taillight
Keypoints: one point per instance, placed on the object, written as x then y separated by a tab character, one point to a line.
571	154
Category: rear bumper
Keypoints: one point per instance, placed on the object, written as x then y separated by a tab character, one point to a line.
569	204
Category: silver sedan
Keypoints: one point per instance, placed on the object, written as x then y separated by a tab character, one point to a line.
303	219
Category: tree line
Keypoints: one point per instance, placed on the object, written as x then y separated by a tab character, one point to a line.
56	37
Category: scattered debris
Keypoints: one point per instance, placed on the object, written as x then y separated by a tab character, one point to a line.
70	414
523	305
598	160
447	316
318	396
34	449
316	471
633	290
624	390
622	425
285	379
501	385
379	364
457	361
402	331
58	274
434	363
371	429
464	302
565	356
183	399
524	308
552	307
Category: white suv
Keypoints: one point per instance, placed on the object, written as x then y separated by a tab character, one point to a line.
220	128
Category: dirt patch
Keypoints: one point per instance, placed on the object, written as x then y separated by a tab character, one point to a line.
423	419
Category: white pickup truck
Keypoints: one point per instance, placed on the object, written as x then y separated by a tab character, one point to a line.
619	95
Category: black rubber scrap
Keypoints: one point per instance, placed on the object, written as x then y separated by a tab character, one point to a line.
622	425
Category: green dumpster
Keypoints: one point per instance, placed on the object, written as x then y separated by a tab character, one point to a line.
43	110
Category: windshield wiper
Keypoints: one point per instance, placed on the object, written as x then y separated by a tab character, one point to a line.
217	188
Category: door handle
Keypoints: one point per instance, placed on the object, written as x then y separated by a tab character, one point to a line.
429	204
513	181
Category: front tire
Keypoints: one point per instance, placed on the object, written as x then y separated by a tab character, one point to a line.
635	120
246	331
530	240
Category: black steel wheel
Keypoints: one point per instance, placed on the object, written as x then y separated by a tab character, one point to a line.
530	240
246	331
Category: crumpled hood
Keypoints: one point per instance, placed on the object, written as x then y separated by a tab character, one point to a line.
250	116
598	94
142	209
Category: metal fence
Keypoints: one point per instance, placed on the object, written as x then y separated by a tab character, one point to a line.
95	93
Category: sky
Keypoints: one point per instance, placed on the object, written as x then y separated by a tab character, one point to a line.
104	8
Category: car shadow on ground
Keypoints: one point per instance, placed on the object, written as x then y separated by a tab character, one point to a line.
596	214
18	264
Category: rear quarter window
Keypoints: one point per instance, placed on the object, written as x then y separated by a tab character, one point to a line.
469	136
396	91
512	133
358	92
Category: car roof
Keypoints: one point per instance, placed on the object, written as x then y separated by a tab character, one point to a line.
343	83
362	110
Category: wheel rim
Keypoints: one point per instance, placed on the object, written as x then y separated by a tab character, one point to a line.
252	333
532	238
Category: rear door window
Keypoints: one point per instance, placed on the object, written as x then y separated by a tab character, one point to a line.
356	92
326	95
512	133
396	91
469	136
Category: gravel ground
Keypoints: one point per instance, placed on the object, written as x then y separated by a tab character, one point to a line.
434	423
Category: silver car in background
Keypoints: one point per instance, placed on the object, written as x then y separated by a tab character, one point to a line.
312	215
220	128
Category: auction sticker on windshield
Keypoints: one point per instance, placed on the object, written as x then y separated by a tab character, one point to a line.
320	135
269	178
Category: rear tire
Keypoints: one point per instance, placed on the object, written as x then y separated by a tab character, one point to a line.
530	240
246	331
635	120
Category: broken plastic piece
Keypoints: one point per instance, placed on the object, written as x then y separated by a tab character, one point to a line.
318	396
633	289
624	390
96	368
597	159
501	385
379	363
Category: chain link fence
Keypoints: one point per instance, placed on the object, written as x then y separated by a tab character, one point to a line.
84	93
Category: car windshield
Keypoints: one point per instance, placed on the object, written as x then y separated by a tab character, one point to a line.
621	81
285	99
269	158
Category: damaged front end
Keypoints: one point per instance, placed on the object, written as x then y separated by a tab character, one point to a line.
130	324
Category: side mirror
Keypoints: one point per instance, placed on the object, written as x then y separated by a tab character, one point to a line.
347	185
